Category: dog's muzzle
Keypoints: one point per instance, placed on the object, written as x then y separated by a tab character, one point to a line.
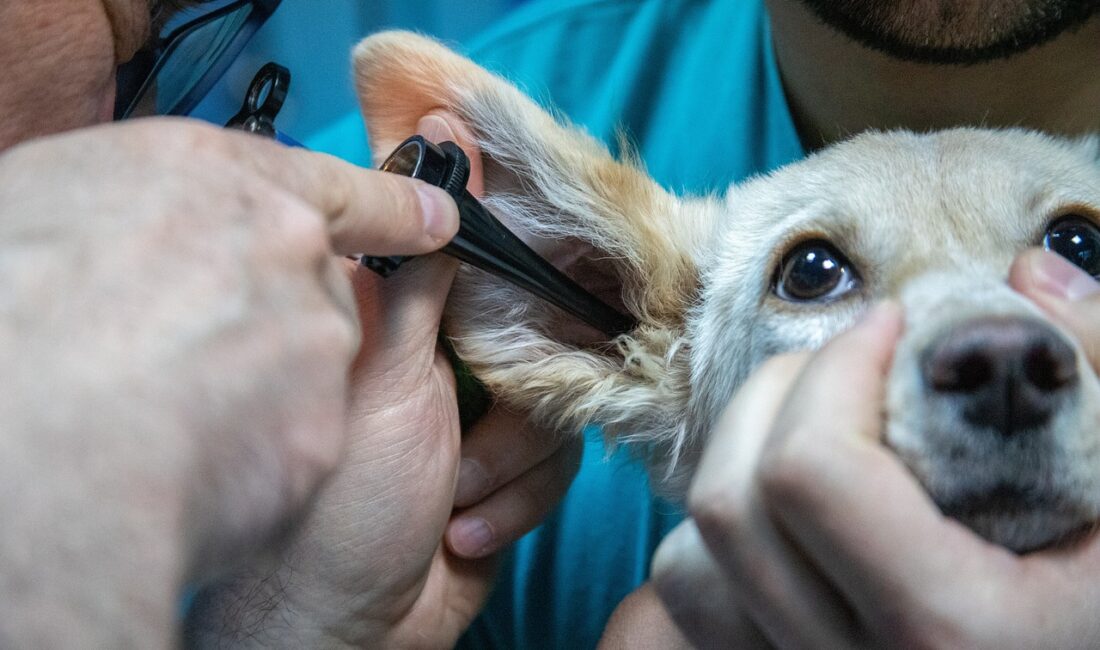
994	428
1006	375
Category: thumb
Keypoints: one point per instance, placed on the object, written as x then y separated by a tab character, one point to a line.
430	279
425	283
1069	295
400	315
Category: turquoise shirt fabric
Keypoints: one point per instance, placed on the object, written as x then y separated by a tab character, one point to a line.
695	86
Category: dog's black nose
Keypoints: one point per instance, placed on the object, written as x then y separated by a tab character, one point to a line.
1007	373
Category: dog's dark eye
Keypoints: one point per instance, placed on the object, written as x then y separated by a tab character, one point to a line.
814	270
1076	239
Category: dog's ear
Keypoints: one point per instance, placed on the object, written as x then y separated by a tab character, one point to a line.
540	176
553	181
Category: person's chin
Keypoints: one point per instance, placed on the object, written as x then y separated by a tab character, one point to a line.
948	32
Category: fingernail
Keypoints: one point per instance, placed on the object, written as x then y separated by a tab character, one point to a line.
440	212
435	129
473	481
471	537
1055	275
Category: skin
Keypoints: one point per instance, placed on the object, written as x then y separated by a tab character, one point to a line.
192	268
77	46
335	585
817	536
187	526
837	86
950	31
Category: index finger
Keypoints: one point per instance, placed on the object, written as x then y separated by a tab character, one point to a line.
365	210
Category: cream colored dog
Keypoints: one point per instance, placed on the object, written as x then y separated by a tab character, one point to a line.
993	408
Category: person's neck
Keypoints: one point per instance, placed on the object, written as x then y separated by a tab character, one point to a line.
836	87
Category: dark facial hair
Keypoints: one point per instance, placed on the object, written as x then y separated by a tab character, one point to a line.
953	32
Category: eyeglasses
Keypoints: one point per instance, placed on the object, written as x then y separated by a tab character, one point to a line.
189	55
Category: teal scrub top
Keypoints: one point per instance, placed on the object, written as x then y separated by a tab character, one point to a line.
695	86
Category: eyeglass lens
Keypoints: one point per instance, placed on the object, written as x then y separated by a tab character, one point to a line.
195	54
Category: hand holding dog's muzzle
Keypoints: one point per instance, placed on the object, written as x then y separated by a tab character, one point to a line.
785	441
1065	292
819	537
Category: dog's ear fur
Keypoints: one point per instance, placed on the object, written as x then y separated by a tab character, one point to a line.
554	181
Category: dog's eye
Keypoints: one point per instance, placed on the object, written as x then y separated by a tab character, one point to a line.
814	270
1076	239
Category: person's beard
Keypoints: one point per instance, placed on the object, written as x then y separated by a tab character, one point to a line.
952	31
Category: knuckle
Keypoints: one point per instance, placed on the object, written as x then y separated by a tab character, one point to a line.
332	335
341	335
399	198
294	224
177	137
719	512
340	291
197	136
785	475
384	207
305	226
535	495
320	458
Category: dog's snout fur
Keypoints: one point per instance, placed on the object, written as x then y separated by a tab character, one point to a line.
1007	374
995	410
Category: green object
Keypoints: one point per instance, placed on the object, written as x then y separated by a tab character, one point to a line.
473	398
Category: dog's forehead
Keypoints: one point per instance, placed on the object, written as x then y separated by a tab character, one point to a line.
919	217
951	192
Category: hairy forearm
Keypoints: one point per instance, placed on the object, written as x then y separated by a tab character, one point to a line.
253	610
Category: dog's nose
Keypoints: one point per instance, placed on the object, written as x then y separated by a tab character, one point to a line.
1007	373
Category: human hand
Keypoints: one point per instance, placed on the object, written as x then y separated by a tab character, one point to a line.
807	531
384	560
175	342
1066	293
